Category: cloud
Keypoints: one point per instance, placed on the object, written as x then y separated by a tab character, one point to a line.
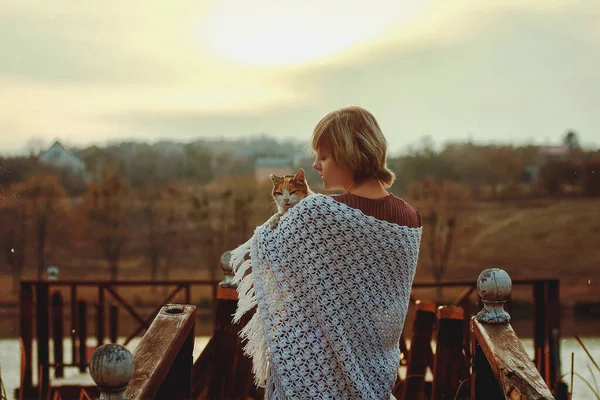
520	75
508	71
111	42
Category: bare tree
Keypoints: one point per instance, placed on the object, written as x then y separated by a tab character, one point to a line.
106	204
43	196
440	203
161	218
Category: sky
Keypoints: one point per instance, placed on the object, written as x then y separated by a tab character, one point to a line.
499	71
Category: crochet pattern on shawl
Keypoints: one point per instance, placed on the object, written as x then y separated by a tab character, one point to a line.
332	288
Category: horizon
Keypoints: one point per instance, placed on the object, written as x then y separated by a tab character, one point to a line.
508	72
425	141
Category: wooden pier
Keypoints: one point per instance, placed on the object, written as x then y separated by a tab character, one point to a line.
470	354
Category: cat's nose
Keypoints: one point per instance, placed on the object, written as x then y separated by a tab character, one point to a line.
286	201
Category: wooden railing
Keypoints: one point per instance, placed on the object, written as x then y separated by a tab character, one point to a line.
502	368
545	295
223	371
42	307
161	365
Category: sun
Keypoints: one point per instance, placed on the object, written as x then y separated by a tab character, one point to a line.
266	33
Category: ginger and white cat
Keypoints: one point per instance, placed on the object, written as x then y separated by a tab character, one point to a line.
288	190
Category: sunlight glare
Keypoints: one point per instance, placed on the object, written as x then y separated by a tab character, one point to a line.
269	34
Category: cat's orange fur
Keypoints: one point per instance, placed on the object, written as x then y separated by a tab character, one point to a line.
288	190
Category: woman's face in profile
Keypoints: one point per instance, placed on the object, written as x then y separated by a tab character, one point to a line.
333	175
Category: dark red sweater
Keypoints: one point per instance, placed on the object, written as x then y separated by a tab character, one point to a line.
390	208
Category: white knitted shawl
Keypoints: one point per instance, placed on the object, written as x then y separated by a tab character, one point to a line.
332	287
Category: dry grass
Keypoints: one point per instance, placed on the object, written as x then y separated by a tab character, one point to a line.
529	239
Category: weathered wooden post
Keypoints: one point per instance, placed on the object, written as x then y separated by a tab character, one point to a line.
58	333
100	317
164	357
450	368
502	368
42	309
114	323
553	332
74	325
420	355
111	367
82	333
232	376
26	328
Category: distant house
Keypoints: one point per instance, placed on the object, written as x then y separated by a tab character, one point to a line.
265	166
553	151
57	156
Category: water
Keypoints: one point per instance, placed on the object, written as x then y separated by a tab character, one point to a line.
10	363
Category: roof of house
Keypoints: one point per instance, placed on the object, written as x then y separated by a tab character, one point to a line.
57	155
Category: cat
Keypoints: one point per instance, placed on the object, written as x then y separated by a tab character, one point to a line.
288	190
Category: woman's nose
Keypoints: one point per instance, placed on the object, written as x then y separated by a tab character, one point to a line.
315	166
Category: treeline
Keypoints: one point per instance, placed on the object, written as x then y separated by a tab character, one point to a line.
489	171
159	207
503	172
114	226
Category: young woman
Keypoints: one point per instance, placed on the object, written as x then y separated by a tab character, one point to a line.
331	284
351	156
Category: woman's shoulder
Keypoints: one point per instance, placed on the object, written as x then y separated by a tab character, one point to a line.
390	208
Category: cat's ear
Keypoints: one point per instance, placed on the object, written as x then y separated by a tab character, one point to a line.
275	178
299	175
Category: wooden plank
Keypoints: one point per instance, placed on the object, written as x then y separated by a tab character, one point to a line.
514	370
26	322
178	382
553	332
100	317
539	326
58	333
158	349
126	306
96	282
420	355
202	371
42	311
450	369
226	293
464	295
73	324
82	334
483	381
114	323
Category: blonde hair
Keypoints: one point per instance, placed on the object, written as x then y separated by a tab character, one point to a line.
355	140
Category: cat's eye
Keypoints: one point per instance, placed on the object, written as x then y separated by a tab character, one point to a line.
292	192
278	194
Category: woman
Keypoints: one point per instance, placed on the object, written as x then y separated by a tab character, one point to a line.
332	282
351	156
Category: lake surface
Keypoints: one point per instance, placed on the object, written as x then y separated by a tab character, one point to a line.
10	367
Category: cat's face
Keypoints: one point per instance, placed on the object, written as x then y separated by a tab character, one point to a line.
288	190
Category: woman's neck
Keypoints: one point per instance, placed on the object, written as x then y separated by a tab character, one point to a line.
371	189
